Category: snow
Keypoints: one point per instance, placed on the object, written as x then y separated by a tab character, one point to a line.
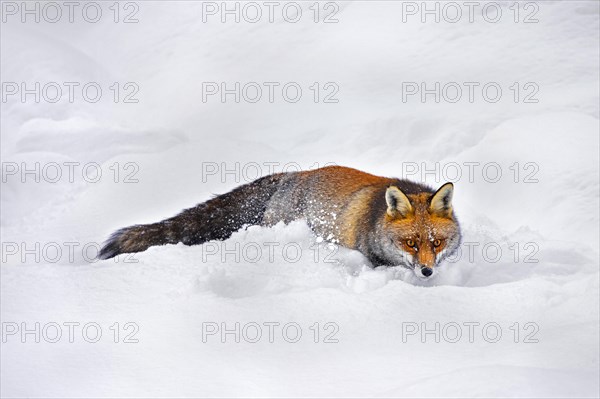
544	219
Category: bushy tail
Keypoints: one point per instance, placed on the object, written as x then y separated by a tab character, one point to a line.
215	219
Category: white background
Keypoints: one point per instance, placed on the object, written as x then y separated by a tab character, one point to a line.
171	136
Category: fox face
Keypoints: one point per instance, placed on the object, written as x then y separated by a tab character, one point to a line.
421	230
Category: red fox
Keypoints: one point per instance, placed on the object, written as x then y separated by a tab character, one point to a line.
393	222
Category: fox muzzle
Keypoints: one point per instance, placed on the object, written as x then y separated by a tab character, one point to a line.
426	271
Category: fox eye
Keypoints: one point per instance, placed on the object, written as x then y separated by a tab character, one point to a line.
410	243
437	243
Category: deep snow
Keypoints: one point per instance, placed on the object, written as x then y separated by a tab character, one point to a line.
545	220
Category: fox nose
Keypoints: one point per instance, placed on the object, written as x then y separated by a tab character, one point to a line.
427	271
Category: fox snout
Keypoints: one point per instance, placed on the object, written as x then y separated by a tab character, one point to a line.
424	262
425	266
424	272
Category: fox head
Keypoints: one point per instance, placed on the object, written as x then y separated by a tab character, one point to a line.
421	228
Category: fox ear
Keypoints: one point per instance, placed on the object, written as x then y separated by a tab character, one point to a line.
397	202
441	202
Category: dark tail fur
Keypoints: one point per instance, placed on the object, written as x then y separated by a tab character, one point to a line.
215	219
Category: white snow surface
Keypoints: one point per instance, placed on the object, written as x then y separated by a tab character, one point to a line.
550	287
